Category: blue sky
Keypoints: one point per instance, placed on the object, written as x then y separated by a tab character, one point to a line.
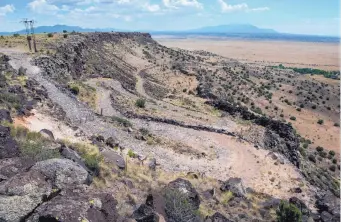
320	17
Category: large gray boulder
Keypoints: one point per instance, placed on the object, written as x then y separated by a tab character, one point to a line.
62	172
77	206
21	194
114	158
235	185
185	187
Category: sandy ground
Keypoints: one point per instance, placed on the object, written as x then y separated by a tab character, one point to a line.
295	54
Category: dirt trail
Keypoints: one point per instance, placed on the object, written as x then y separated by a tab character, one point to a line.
228	156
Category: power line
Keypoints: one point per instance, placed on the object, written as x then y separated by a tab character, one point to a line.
29	27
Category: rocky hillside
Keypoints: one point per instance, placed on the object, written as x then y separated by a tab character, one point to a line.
116	127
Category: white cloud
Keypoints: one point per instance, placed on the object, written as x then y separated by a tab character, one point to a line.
6	9
42	6
260	9
239	7
182	3
152	8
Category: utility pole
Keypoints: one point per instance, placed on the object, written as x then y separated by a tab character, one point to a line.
33	35
27	28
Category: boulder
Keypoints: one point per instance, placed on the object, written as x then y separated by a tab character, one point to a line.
5	116
327	202
12	166
112	157
152	164
21	194
62	172
110	142
77	206
8	147
235	185
72	155
217	217
145	213
186	188
47	134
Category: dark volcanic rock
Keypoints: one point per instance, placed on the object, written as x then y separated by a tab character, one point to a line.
112	157
217	217
47	134
186	188
77	206
8	147
235	185
145	213
62	172
21	194
329	204
5	116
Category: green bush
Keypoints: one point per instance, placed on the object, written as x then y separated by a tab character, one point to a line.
302	152
16	35
332	153
288	213
293	118
313	107
305	145
65	36
50	35
64	31
36	150
299	109
319	149
337	124
320	121
131	154
122	121
323	154
312	158
141	103
335	161
178	207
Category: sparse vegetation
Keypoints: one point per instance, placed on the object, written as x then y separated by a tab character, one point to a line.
141	103
320	121
50	35
288	213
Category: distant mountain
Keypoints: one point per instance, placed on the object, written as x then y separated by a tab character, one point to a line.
232	28
59	28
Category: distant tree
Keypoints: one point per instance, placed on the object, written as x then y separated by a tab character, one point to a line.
65	36
64	31
50	35
16	35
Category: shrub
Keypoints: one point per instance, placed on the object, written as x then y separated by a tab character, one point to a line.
50	35
337	124
16	35
177	206
64	31
141	103
65	36
288	213
293	118
92	161
144	131
299	109
122	121
281	115
312	158
302	151
332	153
319	149
332	168
320	121
335	161
305	145
301	106
131	154
313	107
323	154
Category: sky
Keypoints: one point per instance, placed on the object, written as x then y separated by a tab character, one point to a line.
316	17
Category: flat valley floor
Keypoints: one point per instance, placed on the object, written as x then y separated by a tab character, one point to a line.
294	54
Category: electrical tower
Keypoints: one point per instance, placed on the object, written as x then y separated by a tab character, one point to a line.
29	26
33	35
